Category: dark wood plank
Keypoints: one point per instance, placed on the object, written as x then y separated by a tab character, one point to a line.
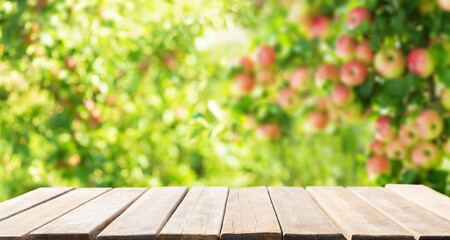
18	226
85	222
425	197
250	215
30	199
199	215
144	219
354	217
300	217
421	222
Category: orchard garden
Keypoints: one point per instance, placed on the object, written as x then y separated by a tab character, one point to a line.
224	92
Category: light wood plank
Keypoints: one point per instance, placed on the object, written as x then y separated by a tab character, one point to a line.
425	197
354	217
18	226
85	222
145	218
300	217
421	222
250	215
199	215
30	199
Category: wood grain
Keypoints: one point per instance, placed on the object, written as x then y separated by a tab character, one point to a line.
421	222
30	199
144	219
85	222
354	217
424	197
199	215
300	217
250	215
18	226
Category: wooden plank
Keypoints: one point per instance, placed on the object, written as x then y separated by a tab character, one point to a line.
300	217
424	197
85	222
30	199
18	226
354	217
199	215
250	215
421	222
145	218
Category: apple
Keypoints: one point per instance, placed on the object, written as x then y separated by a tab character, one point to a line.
288	98
143	66
437	40
71	63
341	95
265	77
35	27
245	63
325	73
445	99
419	62
265	56
345	46
383	130
95	113
395	149
316	121
363	52
300	79
74	160
181	113
444	4
170	61
357	16
268	130
111	100
319	26
429	124
390	63
89	105
426	155
408	134
243	83
377	164
376	147
353	73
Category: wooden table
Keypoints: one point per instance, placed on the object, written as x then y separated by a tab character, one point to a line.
255	213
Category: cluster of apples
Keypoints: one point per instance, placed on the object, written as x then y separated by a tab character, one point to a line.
95	114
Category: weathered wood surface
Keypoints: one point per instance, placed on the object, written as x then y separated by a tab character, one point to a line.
354	217
18	226
145	218
421	222
300	217
30	199
199	216
249	215
425	197
86	221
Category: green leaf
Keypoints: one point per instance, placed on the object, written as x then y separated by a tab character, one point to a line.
396	167
365	90
396	88
438	54
408	177
444	76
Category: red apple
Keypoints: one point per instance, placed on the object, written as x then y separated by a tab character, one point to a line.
444	4
243	83
74	160
319	26
95	113
357	16
395	149
377	164
316	121
342	95
268	130
363	52
345	46
246	63
376	147
383	130
408	134
143	66
429	124
325	73
390	63
420	62
353	73
288	98
265	56
426	155
437	40
71	63
170	61
445	99
300	79
111	100
89	105
265	77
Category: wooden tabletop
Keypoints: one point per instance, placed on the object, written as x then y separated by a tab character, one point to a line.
403	212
